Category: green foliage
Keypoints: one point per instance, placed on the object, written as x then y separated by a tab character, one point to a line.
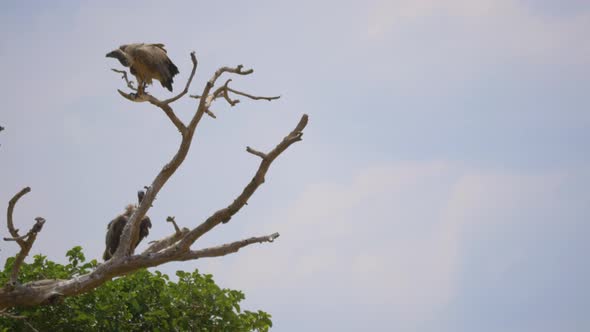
142	301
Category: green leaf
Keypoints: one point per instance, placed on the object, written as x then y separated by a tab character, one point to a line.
142	301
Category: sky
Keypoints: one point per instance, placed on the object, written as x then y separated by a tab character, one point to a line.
441	184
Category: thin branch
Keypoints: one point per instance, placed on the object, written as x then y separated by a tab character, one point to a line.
252	96
16	238
230	101
25	248
256	153
124	73
224	215
227	248
237	70
30	326
162	105
211	114
205	101
169	240
223	91
4	313
188	83
169	112
166	242
171	219
134	97
9	212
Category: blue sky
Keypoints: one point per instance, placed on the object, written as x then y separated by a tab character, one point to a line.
441	184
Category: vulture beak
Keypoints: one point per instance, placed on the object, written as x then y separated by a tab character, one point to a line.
118	54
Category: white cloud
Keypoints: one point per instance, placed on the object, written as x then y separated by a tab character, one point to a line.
485	29
391	240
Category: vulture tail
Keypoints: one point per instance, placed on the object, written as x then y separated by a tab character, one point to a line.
167	84
173	70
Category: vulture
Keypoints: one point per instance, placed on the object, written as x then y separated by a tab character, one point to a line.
115	229
146	62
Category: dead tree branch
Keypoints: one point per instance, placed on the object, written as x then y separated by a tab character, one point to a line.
171	219
126	78
9	222
24	252
26	241
255	152
169	240
227	248
175	247
223	91
224	215
252	96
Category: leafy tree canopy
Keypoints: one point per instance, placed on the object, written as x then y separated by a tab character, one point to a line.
142	301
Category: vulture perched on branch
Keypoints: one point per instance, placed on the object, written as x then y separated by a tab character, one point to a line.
115	229
146	62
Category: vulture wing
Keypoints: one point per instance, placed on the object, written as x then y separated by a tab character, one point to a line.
115	228
144	229
160	46
152	62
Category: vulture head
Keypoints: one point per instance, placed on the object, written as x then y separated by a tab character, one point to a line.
119	55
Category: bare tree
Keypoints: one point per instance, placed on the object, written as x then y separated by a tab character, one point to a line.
176	247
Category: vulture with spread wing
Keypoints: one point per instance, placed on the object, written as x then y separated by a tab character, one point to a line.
147	62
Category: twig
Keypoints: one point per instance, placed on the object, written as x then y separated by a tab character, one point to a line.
171	219
9	212
224	92
230	101
162	105
25	248
205	99
30	326
211	114
167	241
256	153
252	96
129	83
16	238
227	248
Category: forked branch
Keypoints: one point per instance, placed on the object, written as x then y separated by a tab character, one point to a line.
225	214
224	90
126	78
26	241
